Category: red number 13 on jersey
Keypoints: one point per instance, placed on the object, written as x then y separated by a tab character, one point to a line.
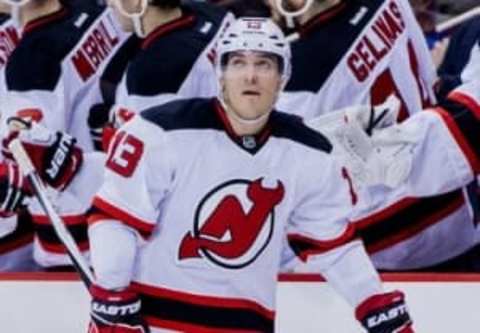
125	154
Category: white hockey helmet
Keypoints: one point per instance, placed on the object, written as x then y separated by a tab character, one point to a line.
254	34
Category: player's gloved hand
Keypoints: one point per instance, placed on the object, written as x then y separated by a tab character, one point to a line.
385	313
55	155
104	121
115	312
98	120
14	189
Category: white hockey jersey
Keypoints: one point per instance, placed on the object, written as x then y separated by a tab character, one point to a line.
216	208
54	74
358	53
379	49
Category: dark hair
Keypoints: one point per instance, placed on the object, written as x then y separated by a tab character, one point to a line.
167	4
245	7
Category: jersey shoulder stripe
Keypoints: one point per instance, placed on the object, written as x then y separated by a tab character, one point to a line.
291	127
199	114
195	113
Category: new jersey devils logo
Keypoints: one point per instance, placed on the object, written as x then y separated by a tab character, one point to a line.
233	223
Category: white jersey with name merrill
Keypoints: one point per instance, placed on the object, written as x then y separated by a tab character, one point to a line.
54	74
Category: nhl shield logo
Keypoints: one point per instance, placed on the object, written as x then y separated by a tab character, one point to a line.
233	223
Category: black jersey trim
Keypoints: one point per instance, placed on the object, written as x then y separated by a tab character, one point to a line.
214	315
49	239
22	235
405	219
200	113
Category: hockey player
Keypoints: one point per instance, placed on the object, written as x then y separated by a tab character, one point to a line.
196	232
53	77
175	56
381	52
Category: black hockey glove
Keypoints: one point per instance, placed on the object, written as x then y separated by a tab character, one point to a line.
115	312
385	313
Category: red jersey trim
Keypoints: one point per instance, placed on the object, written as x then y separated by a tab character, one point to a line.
44	20
233	303
60	248
416	228
304	246
385	213
144	227
67	219
466	100
261	137
459	138
181	22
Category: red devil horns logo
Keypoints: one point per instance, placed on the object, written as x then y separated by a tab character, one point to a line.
230	217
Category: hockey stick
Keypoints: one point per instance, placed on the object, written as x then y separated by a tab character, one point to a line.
27	168
448	24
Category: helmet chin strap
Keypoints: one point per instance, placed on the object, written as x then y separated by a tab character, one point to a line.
16	7
135	17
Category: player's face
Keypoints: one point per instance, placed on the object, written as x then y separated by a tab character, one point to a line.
250	83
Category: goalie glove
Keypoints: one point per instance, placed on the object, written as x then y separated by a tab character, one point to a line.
115	312
385	313
55	155
369	143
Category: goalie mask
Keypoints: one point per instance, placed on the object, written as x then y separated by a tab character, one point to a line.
254	34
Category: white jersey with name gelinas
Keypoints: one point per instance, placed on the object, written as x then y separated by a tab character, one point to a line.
216	209
378	50
361	52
